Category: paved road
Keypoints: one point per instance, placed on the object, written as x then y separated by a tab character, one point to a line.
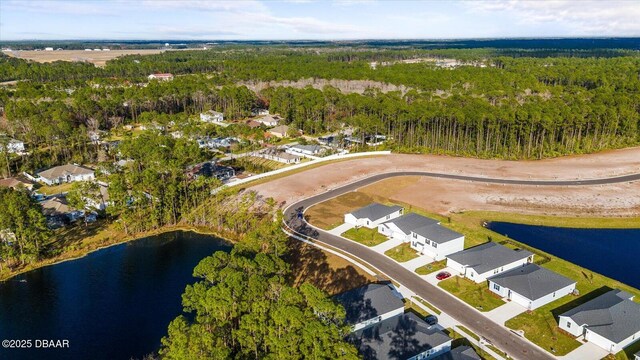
512	344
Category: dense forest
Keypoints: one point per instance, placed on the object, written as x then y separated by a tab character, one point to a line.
488	105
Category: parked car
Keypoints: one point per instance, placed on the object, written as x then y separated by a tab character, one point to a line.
431	320
443	275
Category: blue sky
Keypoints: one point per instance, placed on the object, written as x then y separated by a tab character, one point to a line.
308	19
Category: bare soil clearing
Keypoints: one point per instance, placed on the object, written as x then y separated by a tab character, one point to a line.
447	196
98	58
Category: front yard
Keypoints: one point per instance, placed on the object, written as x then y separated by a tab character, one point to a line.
430	268
476	295
55	189
402	253
365	236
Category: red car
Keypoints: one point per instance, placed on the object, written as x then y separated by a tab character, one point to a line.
443	275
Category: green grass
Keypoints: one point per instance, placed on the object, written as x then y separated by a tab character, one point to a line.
55	189
413	307
365	236
476	295
402	253
430	268
627	353
433	309
460	340
469	332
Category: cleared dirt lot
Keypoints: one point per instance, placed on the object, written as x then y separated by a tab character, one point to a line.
445	196
98	58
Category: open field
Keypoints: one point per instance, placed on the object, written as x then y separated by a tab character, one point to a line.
98	58
446	196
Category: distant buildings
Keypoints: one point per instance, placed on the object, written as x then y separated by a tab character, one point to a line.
279	156
304	150
161	77
213	117
65	174
11	145
281	131
269	120
17	182
211	169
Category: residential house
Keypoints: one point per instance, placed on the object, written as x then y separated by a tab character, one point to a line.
404	336
161	77
12	146
461	352
58	212
370	304
280	156
259	112
281	131
213	117
66	173
7	236
436	241
94	136
211	169
253	124
637	355
531	286
373	215
611	321
305	150
489	259
400	228
102	201
17	182
269	120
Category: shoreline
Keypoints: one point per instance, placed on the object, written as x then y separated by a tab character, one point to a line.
126	239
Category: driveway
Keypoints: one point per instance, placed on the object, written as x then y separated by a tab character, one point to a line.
389	244
431	278
585	352
505	312
421	260
341	229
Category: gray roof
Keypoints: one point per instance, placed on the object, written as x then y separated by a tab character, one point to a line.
411	221
375	211
310	148
462	352
637	355
64	170
368	301
488	256
612	315
437	233
532	281
400	337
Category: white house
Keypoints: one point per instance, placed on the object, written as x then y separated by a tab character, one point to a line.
161	77
370	304
373	215
281	131
405	336
269	120
489	259
531	286
637	355
213	117
13	146
400	228
100	203
304	150
611	321
436	241
66	173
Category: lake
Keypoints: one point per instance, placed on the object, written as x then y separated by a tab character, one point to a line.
115	303
610	252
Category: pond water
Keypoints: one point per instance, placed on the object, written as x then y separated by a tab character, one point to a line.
114	303
610	252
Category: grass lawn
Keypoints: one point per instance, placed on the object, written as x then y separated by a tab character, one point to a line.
55	189
402	253
413	307
476	295
365	236
433	267
329	214
627	353
460	340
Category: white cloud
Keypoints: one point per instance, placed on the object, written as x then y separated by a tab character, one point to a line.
60	7
586	18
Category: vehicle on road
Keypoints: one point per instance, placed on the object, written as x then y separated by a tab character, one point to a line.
443	275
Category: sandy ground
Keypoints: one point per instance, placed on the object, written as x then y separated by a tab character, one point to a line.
99	58
443	196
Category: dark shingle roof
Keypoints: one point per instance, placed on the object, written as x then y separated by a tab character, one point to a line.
532	281
399	337
611	315
411	221
637	355
375	211
368	301
437	233
488	256
459	353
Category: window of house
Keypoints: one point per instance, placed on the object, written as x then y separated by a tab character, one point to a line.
415	236
388	217
435	245
496	287
554	294
568	324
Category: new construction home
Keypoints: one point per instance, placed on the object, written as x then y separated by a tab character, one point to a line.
489	259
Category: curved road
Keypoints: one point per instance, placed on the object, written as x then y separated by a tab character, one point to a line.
507	341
